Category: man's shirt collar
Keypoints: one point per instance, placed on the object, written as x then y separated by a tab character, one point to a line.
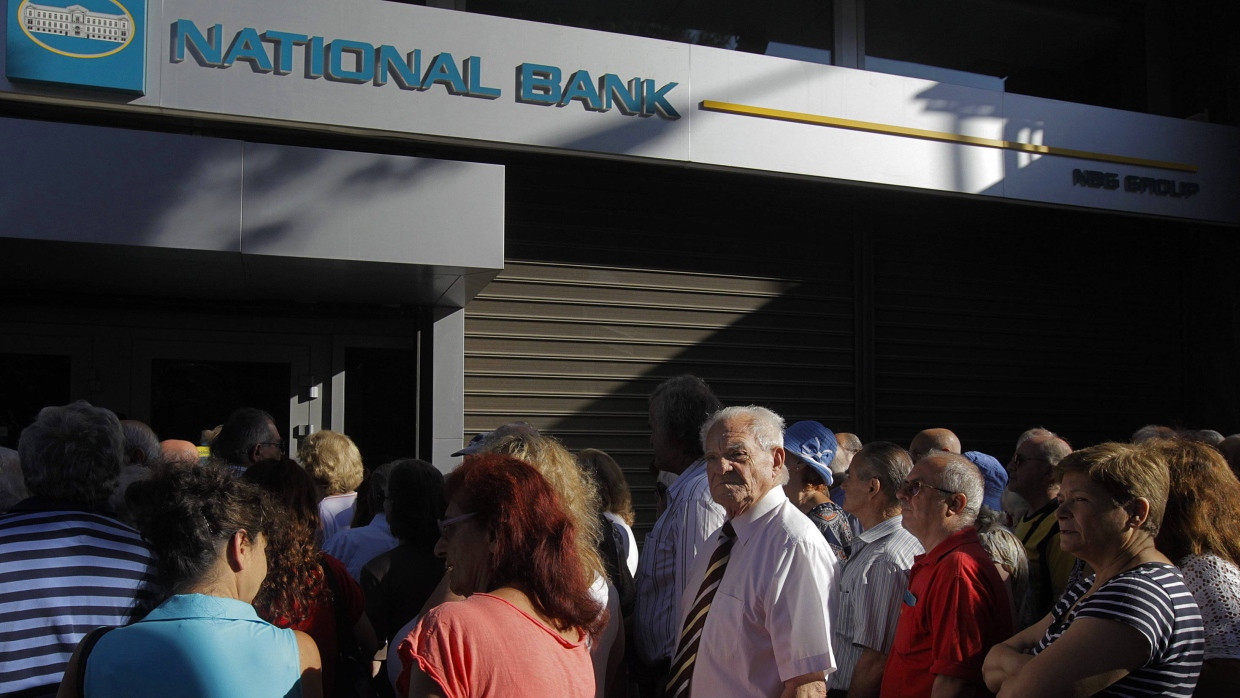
958	539
698	467
881	529
746	522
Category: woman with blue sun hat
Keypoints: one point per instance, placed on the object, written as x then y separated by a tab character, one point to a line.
810	447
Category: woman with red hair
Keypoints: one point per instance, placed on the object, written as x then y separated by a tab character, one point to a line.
511	550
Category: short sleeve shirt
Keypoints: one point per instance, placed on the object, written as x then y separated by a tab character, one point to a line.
872	588
770	618
956	609
196	646
1152	599
484	646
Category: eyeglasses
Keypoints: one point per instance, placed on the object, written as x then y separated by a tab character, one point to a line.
445	525
910	488
278	444
1019	459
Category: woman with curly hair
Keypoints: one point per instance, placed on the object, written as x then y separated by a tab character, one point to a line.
1201	534
209	532
307	589
527	614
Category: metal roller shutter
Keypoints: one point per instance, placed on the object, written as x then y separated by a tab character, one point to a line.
575	350
740	280
1042	322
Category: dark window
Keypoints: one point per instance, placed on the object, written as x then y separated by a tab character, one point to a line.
28	383
189	396
1085	51
381	403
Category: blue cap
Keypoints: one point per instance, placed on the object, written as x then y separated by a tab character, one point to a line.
996	477
814	444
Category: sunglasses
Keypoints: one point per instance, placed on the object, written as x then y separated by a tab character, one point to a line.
910	488
445	525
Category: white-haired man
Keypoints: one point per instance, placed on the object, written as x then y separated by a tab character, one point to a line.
956	607
755	616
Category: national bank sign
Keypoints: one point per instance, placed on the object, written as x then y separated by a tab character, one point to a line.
280	53
86	43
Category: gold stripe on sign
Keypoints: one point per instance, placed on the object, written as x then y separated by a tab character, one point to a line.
888	129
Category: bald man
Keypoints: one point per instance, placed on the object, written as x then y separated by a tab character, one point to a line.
938	439
178	451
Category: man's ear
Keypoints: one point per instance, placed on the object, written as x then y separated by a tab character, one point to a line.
779	455
957	502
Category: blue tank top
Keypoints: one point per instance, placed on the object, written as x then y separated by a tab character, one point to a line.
196	646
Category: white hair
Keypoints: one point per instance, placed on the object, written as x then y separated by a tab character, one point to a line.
961	475
766	427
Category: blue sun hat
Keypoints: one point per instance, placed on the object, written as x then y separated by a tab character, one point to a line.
994	472
814	444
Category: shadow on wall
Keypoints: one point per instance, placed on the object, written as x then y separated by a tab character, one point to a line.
174	203
986	317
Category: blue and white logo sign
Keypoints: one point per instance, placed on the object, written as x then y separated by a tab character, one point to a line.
89	43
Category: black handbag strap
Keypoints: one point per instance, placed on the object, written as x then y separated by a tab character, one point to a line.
88	644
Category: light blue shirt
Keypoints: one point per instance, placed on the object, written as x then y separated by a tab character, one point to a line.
357	546
196	646
692	516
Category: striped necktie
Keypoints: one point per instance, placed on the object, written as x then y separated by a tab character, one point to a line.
691	634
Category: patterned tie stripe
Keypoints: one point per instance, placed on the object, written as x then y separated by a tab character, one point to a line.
695	620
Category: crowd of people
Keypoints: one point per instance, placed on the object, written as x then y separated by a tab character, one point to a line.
785	560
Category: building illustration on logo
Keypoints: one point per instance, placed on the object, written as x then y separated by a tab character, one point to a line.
76	21
99	44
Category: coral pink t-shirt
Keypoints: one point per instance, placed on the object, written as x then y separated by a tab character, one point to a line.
485	646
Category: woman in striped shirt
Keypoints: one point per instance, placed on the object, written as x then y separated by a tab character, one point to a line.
1132	628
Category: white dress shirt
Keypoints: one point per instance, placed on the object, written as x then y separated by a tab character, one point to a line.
684	529
770	620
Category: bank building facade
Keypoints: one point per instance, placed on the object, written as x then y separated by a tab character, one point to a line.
415	222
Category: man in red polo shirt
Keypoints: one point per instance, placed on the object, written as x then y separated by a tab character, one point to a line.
956	607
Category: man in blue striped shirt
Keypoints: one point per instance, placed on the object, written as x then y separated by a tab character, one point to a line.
678	407
876	575
66	565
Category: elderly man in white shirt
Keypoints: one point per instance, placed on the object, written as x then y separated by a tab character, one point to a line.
755	614
678	406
